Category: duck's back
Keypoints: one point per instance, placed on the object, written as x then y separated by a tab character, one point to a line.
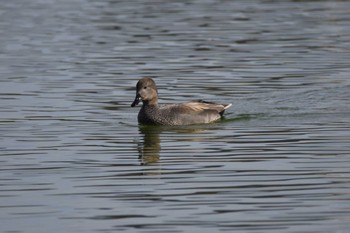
194	112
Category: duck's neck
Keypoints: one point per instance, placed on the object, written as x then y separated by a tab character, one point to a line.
151	103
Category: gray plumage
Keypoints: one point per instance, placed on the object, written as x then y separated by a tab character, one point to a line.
194	112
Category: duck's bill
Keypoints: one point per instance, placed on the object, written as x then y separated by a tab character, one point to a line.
136	101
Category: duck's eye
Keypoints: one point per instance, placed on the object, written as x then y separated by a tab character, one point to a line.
144	87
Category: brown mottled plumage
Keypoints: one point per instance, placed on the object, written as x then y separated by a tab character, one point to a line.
194	112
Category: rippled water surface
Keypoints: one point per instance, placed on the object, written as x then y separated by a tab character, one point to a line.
74	159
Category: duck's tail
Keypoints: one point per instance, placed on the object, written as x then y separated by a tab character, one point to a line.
226	106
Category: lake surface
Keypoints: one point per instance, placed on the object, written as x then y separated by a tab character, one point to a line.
74	159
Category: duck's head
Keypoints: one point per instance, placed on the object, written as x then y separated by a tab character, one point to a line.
146	90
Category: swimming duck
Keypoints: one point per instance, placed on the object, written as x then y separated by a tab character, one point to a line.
193	112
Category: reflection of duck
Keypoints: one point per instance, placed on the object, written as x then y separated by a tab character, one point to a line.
194	112
149	150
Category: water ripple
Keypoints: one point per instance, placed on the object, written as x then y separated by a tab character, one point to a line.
75	160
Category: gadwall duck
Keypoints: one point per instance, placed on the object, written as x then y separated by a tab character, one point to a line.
194	112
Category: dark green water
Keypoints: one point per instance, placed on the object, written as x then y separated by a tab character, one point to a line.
73	158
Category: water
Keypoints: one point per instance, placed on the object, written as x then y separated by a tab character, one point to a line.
73	158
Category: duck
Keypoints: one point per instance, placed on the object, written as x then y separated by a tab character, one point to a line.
188	113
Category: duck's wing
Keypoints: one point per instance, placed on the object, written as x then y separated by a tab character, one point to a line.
194	112
201	106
